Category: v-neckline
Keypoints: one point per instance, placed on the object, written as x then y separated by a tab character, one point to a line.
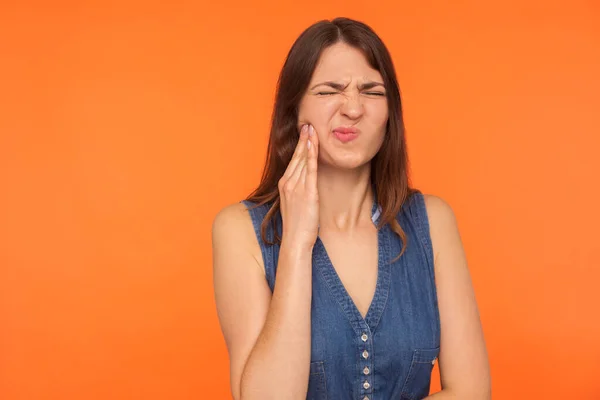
340	292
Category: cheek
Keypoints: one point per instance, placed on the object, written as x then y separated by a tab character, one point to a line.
378	118
322	109
318	113
378	111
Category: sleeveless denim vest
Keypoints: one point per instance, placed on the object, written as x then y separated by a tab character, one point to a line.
391	352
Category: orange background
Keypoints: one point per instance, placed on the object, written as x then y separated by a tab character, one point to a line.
126	126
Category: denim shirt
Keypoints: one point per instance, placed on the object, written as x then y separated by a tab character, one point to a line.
391	352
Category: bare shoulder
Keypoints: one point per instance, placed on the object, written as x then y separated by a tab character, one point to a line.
438	210
233	225
231	217
443	227
440	214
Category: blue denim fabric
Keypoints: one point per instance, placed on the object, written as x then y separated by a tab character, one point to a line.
391	352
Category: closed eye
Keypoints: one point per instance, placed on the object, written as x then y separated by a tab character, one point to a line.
369	93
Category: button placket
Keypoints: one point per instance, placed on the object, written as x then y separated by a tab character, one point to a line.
366	365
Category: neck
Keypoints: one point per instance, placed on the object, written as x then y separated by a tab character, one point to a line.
345	197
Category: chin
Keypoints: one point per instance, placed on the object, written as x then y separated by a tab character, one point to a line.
349	160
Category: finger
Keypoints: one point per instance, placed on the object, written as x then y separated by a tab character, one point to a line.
312	135
293	180
302	154
309	154
312	163
312	151
297	153
302	138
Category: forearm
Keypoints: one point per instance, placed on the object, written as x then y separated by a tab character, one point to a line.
278	366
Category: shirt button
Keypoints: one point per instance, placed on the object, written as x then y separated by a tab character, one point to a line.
366	371
365	354
366	385
364	337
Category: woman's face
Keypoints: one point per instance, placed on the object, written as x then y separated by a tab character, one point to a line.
345	92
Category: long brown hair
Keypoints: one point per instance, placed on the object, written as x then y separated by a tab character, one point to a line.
389	167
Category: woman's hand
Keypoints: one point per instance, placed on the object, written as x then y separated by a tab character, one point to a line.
299	199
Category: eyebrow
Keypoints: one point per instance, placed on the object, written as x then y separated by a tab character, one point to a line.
339	86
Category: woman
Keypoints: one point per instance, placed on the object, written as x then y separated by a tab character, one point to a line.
335	279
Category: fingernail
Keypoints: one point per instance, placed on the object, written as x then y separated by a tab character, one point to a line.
304	129
311	130
309	144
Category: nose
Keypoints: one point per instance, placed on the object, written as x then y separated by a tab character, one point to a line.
352	106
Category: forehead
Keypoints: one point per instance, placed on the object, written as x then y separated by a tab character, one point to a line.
343	62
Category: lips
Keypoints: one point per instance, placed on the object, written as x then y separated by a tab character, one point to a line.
346	130
345	134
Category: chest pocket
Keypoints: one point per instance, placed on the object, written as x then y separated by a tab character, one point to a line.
418	380
317	390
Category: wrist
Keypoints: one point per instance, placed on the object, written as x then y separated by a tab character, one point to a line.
296	250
